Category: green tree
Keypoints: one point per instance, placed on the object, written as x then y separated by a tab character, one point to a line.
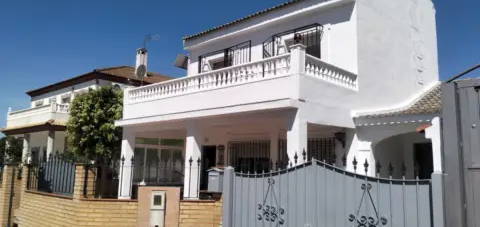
91	130
14	151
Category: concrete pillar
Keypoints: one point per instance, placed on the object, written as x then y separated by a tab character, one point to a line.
126	166
297	58
434	134
274	147
26	148
361	151
297	138
6	194
192	166
50	143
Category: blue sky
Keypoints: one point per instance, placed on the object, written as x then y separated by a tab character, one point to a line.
42	42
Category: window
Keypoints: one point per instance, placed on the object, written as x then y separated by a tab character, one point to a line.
310	36
38	103
52	100
235	55
159	161
250	156
66	99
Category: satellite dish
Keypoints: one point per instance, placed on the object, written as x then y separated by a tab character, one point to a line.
141	71
181	61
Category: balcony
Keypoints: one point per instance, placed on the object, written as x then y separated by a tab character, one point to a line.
271	79
38	115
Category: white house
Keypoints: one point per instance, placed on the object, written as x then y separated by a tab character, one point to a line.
335	80
42	126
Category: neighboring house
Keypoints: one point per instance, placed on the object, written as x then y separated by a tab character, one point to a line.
342	80
42	126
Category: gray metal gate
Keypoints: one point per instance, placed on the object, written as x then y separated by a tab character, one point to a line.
461	151
318	194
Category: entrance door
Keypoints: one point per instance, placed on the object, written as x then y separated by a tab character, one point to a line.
424	160
209	160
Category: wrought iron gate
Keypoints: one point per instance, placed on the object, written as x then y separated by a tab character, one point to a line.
318	194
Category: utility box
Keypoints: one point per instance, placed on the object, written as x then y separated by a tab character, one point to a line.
157	209
215	180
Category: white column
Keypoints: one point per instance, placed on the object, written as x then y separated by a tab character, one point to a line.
434	134
361	151
274	148
26	148
296	138
126	167
297	58
50	142
192	167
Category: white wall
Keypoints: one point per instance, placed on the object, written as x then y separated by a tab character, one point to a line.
69	91
338	44
397	49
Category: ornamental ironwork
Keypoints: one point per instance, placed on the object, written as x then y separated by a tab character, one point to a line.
271	212
366	220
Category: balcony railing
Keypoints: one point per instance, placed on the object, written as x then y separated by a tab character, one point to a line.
38	114
226	77
268	68
319	69
52	108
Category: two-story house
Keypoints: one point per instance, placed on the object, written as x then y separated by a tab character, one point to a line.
335	80
42	126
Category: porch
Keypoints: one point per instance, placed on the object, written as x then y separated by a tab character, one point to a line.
179	153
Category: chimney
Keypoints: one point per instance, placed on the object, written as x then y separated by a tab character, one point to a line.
141	63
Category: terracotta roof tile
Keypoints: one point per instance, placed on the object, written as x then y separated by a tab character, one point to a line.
428	103
259	13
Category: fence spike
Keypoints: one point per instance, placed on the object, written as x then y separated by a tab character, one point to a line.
366	165
132	160
198	161
378	167
416	169
190	161
304	154
295	157
354	162
344	160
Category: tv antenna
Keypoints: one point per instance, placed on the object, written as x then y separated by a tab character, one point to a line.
150	37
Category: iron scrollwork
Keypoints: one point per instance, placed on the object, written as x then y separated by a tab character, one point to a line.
364	220
268	212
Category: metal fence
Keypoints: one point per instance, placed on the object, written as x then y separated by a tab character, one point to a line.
105	179
56	175
150	172
319	194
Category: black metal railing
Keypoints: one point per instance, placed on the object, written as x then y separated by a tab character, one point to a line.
150	172
55	175
102	178
310	36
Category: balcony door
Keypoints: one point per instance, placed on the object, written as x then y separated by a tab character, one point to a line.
235	55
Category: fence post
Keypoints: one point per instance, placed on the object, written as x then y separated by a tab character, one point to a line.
228	197
437	200
6	193
84	182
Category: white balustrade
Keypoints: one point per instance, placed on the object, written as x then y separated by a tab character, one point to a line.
255	71
317	68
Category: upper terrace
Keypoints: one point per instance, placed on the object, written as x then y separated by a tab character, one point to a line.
275	82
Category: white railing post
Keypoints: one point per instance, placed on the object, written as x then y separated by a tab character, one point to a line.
297	58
